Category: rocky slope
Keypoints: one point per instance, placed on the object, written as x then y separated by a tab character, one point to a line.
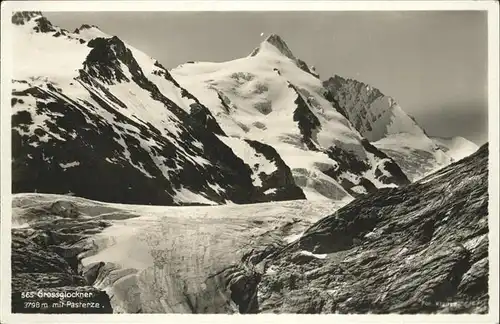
94	117
382	121
44	261
274	98
422	248
149	259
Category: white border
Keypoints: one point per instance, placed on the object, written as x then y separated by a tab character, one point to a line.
493	117
227	5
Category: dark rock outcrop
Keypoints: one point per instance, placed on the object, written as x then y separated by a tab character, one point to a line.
307	121
280	183
417	249
396	177
304	67
22	17
46	274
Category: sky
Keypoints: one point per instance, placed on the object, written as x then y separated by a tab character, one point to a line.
433	63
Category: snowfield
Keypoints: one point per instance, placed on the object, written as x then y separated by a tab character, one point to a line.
457	147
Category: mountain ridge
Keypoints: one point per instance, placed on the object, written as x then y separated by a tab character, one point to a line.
156	150
381	120
268	97
166	124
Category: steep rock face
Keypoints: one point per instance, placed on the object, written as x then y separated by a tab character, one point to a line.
306	120
374	114
382	121
269	97
105	121
421	248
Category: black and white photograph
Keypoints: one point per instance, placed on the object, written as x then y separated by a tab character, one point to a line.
256	161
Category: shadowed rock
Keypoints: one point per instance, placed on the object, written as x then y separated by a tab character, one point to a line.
45	259
417	249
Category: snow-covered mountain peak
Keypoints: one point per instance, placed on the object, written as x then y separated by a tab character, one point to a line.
33	20
204	117
108	58
22	17
272	98
84	27
34	33
274	43
274	46
374	114
381	120
88	32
